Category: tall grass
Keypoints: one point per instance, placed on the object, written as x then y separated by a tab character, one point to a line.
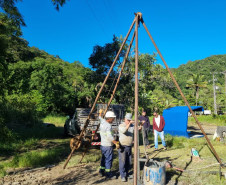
17	146
28	148
37	158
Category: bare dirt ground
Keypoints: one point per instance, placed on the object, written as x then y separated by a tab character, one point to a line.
85	174
73	175
208	128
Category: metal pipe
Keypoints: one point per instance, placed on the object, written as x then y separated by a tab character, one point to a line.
98	95
113	93
214	96
144	143
135	164
175	82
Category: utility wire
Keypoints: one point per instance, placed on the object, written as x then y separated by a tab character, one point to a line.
104	17
97	19
101	17
115	13
110	16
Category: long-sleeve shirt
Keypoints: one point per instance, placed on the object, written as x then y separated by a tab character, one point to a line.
161	125
106	133
146	119
126	135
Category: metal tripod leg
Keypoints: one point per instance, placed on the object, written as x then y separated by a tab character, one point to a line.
136	137
175	82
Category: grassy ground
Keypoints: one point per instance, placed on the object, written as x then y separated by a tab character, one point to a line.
213	120
35	146
42	146
55	119
179	153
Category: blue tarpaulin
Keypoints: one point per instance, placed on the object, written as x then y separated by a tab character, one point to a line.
176	120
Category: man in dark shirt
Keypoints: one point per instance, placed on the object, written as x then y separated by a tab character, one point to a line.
146	124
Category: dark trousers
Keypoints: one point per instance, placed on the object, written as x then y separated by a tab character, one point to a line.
125	155
145	133
106	160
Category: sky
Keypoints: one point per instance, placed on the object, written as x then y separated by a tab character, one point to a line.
184	30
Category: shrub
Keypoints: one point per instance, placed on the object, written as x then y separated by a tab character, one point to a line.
2	171
5	133
18	110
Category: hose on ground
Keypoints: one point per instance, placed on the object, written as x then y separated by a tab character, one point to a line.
204	167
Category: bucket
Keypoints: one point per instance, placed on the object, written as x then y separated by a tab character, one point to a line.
154	173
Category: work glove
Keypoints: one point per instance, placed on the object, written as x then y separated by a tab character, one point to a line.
117	145
101	111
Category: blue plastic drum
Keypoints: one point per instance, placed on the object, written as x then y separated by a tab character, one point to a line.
154	173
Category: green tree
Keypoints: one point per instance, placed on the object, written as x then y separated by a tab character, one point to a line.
196	82
10	47
100	61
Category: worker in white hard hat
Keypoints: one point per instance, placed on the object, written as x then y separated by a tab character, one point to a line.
107	141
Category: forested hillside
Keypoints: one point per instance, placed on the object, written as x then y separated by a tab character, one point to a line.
199	72
215	63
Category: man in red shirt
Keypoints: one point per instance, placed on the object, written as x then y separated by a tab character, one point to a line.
158	126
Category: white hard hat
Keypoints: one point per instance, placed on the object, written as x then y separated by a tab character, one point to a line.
110	114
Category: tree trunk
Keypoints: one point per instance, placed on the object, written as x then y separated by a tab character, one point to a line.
197	94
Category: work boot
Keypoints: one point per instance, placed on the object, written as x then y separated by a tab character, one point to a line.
102	172
109	176
123	179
